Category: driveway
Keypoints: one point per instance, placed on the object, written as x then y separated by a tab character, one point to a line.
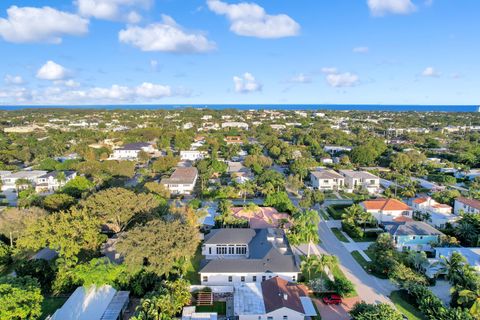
333	312
369	288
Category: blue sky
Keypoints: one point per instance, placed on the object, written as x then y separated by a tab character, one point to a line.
225	51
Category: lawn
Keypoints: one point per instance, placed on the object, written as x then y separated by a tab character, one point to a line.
338	273
361	260
193	267
339	235
51	304
219	307
400	300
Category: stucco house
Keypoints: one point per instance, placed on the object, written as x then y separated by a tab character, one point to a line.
387	210
412	235
273	299
182	180
362	180
130	151
192	155
466	205
439	214
327	180
243	255
52	181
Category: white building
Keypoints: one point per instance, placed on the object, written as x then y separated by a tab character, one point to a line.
131	151
327	180
273	299
387	210
9	180
192	155
182	181
361	179
243	255
439	214
53	181
336	149
239	125
466	205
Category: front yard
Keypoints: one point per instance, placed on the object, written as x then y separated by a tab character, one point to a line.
400	300
339	235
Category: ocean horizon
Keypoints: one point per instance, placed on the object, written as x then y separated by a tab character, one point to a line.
308	107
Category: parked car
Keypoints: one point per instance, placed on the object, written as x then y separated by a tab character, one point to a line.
332	299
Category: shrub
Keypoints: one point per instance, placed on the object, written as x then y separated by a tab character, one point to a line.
352	230
341	285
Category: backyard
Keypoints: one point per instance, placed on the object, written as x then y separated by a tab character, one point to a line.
219	307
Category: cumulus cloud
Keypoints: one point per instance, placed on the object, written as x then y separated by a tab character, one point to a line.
52	71
13	80
360	50
112	9
246	83
338	79
45	24
384	7
60	94
251	20
166	36
301	78
430	72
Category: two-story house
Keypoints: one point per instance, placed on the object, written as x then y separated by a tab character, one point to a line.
182	180
192	155
53	181
466	205
438	214
326	180
362	180
130	151
412	235
243	255
385	210
13	181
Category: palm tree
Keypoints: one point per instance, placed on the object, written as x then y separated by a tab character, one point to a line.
352	213
308	264
453	267
365	217
467	232
468	296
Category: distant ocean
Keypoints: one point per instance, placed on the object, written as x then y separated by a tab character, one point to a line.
344	107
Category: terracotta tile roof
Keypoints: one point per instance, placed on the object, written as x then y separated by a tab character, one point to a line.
264	217
279	293
402	219
385	205
469	202
420	200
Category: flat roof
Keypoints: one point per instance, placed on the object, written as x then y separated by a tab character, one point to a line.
248	299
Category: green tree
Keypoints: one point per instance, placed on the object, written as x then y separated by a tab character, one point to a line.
381	311
118	207
164	164
158	246
58	201
280	201
158	189
77	186
14	222
20	298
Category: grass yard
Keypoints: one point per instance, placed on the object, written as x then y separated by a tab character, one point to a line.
361	260
366	239
338	273
219	307
193	267
339	235
51	304
400	300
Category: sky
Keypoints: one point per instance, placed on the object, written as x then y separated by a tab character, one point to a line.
81	52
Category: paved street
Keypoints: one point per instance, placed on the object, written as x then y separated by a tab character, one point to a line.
369	288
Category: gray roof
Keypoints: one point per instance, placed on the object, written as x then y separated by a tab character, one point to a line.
182	175
327	174
54	174
114	308
135	146
411	228
264	255
358	174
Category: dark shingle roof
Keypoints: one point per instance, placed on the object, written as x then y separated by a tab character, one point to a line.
279	293
411	228
135	146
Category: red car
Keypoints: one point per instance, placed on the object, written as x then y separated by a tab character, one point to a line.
332	299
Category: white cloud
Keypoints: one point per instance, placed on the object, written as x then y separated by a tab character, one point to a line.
301	78
383	7
52	71
249	19
45	24
15	95
246	83
13	80
166	36
329	70
430	72
154	64
112	9
360	49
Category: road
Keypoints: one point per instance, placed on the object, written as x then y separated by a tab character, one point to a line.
369	288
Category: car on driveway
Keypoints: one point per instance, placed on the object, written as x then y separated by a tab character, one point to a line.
332	299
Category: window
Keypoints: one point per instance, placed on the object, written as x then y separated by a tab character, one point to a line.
210	250
231	249
242	278
254	278
205	278
269	318
285	317
294	278
230	278
241	250
221	249
264	278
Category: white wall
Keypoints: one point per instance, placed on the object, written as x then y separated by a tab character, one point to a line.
275	315
221	279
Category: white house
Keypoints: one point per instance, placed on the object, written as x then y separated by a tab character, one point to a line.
51	181
387	210
472	255
182	181
327	180
9	179
466	205
244	255
192	155
273	299
131	151
93	303
361	179
439	214
239	125
336	149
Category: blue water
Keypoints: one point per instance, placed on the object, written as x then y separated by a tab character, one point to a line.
360	107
